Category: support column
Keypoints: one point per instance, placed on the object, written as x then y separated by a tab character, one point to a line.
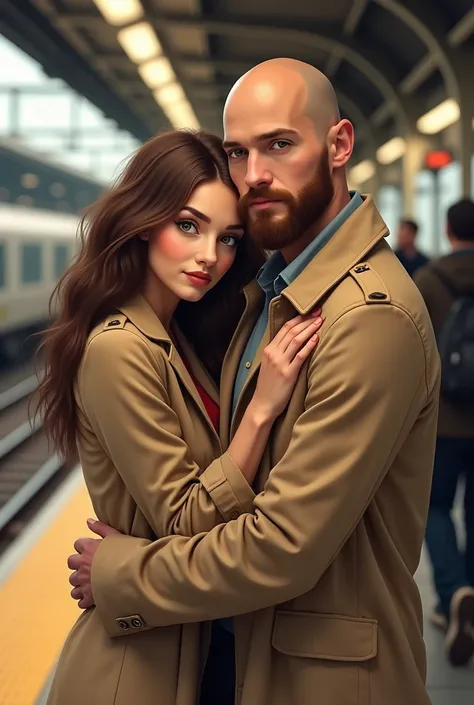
466	139
413	161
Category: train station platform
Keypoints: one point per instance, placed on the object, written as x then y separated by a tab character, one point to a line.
37	611
83	83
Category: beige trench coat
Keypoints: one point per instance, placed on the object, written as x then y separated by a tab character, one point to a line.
320	574
145	437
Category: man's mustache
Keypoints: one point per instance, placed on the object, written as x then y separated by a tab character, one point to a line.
266	193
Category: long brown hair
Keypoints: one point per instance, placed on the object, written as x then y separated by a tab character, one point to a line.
112	263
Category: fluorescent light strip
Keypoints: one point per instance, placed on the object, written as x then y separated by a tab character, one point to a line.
362	172
391	150
140	42
120	12
157	72
439	118
172	93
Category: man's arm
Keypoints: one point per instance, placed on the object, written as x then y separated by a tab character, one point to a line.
366	387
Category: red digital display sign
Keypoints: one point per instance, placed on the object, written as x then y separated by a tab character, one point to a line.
437	159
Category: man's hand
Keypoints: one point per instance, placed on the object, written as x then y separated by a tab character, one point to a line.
81	563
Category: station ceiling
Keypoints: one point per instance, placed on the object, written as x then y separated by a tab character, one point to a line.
390	61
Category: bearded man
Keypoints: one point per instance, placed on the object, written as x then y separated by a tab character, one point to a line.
312	595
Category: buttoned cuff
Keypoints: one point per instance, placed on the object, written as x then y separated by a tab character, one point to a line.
111	593
228	488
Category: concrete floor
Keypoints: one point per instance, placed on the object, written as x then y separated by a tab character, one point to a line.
446	685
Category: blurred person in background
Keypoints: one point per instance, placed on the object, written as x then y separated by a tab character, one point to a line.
447	285
407	252
132	366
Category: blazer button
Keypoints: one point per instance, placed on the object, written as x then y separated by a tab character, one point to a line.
137	623
377	295
113	323
123	624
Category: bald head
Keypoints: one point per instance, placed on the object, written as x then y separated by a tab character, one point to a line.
285	139
288	87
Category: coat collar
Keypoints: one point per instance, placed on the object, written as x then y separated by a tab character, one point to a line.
348	246
141	314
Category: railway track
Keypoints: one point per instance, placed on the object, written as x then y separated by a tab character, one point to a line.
27	465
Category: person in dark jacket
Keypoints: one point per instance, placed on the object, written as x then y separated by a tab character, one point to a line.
411	258
453	568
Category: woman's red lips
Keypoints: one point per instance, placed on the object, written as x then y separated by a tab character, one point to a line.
199	277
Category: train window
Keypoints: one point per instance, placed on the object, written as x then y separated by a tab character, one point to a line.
61	256
2	265
31	264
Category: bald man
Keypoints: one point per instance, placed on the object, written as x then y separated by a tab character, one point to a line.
319	577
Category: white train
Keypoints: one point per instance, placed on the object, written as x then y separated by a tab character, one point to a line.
36	246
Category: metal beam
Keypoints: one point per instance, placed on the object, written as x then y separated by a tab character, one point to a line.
349	29
427	23
418	74
462	30
30	30
309	34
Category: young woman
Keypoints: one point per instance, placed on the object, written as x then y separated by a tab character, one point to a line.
146	314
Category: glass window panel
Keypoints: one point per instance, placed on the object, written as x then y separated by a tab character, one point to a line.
61	256
90	116
389	202
16	67
2	265
424	207
449	191
31	264
5	113
46	142
46	111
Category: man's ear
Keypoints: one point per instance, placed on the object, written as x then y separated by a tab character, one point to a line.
341	143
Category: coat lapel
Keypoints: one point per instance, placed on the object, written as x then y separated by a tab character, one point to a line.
354	239
199	371
254	299
140	313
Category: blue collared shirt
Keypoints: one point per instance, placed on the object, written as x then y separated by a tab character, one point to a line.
276	275
273	277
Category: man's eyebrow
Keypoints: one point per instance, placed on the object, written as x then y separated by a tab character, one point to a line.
264	136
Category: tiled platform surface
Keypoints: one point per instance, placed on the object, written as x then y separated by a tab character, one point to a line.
446	685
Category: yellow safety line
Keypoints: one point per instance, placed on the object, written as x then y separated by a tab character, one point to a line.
37	610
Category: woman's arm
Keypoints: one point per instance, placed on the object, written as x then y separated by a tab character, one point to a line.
122	392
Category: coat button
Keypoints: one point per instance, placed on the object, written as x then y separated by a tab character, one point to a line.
377	295
361	268
137	623
234	515
123	624
115	322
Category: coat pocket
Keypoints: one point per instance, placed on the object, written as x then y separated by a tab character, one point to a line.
325	636
322	658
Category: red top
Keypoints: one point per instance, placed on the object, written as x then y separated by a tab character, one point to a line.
211	407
